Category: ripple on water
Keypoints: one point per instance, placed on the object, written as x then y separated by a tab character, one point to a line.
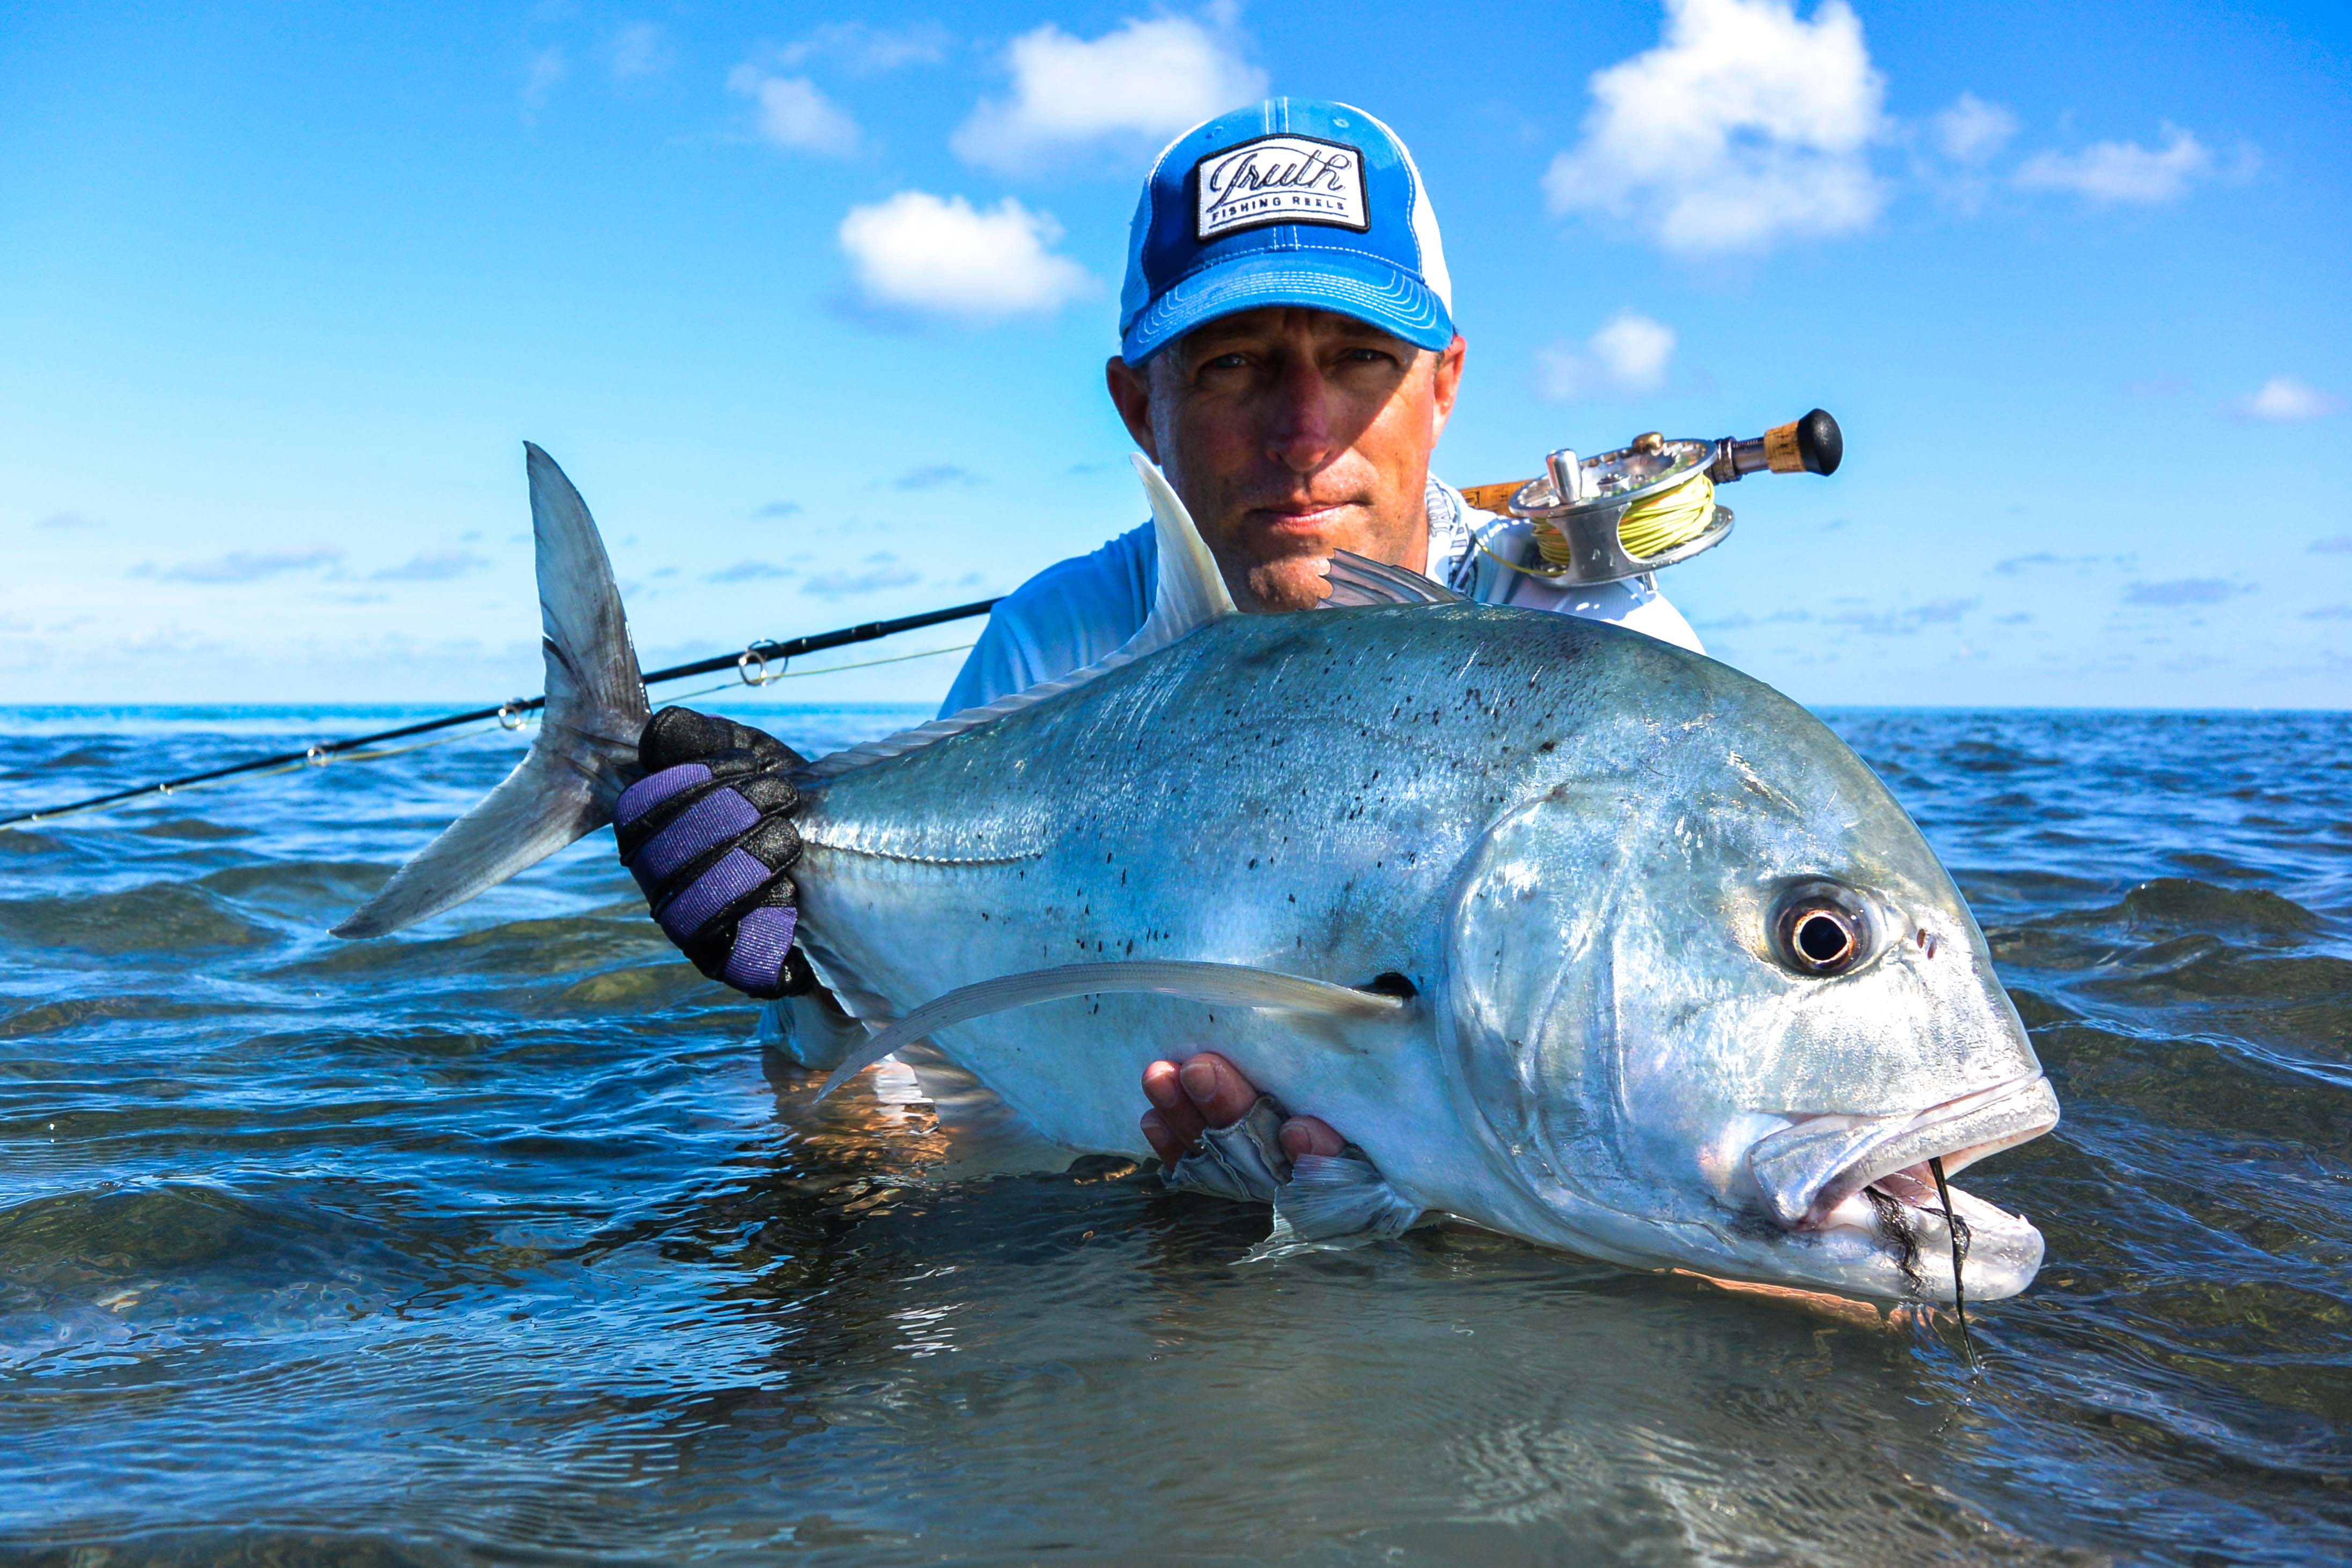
159	916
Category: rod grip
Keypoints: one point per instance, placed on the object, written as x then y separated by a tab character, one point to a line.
1495	498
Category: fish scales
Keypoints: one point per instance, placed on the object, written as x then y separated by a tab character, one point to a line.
1301	798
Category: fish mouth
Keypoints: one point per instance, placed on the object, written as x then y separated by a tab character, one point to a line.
1860	1188
1811	1172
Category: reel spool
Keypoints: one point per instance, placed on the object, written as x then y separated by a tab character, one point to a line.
1650	504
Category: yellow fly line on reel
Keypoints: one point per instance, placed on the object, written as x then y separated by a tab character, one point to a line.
1649	528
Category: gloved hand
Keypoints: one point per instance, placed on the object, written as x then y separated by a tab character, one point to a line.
707	833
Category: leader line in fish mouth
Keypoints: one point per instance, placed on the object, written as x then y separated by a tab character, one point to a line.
1959	1235
1844	1177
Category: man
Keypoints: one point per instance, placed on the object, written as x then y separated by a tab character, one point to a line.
1288	357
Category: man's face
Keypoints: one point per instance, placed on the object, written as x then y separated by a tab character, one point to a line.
1290	434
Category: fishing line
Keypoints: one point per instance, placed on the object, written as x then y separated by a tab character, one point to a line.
751	666
1651	527
1656	524
1957	1229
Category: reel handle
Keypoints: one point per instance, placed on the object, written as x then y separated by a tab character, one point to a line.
1813	444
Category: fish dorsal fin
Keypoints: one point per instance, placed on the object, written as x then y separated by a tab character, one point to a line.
1190	594
1191	590
1359	580
1236	985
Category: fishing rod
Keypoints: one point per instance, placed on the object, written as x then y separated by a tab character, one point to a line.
751	665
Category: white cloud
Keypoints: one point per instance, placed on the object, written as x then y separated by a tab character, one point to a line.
541	74
1972	130
1626	358
1142	79
639	50
2111	171
865	50
241	565
2283	400
920	252
432	566
882	569
792	113
1744	126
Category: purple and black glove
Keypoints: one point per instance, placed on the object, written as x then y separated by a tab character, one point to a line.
707	833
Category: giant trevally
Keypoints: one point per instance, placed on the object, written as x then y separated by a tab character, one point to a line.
1577	935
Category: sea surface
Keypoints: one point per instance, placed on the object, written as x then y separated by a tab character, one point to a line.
502	1240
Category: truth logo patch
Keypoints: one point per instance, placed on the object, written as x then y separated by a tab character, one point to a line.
1280	180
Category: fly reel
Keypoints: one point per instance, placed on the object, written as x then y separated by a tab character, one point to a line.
1650	504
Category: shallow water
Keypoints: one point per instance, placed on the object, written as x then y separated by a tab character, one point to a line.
500	1239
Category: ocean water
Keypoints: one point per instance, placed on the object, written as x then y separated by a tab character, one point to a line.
501	1239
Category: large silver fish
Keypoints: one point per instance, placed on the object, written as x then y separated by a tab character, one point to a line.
1575	934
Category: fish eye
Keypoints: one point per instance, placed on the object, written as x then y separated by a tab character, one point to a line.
1820	929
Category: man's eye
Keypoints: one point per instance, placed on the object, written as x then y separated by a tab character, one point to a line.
1368	357
1227	362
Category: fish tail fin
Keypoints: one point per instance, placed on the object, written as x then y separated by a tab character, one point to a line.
586	749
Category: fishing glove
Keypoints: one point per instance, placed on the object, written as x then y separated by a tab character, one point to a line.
707	833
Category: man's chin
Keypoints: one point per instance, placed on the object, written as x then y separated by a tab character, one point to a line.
1293	583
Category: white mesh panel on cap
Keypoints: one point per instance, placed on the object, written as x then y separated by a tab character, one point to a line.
1425	221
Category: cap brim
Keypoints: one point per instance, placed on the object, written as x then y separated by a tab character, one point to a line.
1363	286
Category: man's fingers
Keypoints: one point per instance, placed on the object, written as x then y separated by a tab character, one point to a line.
1164	1143
677	735
1217	1087
1311	1135
1178	1117
1206	1091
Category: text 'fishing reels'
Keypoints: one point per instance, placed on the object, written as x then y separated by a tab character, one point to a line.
1650	504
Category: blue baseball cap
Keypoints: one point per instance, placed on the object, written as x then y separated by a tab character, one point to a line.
1294	200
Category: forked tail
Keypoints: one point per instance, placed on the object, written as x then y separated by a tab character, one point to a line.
586	750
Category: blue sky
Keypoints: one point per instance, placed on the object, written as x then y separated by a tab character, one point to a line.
811	303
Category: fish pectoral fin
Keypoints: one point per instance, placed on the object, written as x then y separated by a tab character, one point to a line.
1234	985
1359	580
1332	1202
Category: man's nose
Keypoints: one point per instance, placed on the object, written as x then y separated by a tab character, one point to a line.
1302	436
